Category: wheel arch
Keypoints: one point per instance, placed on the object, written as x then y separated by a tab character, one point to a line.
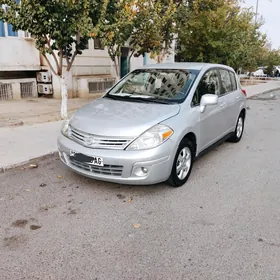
192	137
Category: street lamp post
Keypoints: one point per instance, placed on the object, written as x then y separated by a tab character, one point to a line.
257	9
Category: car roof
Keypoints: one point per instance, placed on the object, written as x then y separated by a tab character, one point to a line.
185	65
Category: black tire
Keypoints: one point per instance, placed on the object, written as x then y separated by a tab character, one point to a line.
174	179
236	137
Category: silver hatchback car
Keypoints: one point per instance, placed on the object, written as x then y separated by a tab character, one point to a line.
153	123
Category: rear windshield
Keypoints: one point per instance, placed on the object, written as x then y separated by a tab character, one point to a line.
167	85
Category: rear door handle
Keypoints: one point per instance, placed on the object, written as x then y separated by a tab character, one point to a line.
238	98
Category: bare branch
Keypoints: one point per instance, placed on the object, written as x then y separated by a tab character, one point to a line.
52	52
56	73
72	60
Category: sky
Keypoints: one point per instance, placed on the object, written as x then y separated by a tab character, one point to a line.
270	11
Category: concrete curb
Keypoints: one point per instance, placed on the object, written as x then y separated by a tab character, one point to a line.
27	162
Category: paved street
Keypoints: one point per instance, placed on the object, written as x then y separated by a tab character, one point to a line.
223	224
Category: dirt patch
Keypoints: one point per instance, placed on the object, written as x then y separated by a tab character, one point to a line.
20	223
14	241
35	227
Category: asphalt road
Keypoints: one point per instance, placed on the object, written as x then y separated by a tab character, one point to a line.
223	224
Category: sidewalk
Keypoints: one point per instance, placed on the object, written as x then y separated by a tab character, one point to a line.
20	144
262	88
36	110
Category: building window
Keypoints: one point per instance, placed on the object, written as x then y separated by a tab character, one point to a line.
10	27
11	32
2	29
98	44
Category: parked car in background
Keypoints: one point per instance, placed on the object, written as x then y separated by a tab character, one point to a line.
276	71
258	73
153	123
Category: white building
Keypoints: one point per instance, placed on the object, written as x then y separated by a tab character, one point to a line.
20	62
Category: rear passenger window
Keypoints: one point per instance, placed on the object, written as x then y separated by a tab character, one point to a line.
209	84
233	80
226	81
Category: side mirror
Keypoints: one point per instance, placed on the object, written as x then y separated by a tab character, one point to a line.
206	100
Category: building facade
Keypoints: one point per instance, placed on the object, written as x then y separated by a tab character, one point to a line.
21	68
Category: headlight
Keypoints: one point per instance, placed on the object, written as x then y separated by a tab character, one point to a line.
65	128
151	138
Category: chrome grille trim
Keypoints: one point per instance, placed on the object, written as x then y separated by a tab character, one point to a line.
100	142
110	170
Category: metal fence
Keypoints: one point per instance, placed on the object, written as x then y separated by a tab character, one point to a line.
28	90
100	86
6	91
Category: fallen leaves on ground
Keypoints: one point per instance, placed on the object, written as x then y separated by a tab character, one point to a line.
43	185
59	177
33	165
136	225
130	200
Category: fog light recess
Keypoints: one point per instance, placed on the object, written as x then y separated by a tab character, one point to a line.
141	171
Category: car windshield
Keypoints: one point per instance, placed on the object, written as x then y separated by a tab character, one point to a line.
154	85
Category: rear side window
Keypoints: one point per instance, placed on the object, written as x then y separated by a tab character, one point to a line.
209	84
233	80
226	81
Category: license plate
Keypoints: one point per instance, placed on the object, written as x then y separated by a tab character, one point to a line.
91	160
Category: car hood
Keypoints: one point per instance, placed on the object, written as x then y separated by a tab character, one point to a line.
108	117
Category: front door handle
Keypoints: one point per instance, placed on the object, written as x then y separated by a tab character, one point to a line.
223	104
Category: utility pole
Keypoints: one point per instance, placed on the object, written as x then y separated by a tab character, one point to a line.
257	9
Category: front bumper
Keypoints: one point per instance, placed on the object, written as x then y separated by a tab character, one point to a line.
120	166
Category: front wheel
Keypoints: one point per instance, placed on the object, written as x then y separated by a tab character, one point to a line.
237	135
182	164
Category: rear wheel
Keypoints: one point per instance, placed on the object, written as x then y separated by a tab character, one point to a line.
237	135
182	164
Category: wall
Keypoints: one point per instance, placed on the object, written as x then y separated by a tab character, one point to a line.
18	53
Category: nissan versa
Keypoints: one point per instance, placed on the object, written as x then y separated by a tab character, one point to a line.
153	123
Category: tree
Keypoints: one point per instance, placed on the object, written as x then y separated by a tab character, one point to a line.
115	27
61	29
154	28
219	31
146	26
269	59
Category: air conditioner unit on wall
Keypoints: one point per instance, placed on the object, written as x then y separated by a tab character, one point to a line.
44	77
45	89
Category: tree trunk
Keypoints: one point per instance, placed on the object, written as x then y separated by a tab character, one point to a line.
117	70
64	94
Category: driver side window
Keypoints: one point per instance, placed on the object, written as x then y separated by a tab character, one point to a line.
209	84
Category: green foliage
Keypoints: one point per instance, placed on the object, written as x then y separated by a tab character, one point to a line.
146	26
116	25
57	25
219	31
269	59
154	28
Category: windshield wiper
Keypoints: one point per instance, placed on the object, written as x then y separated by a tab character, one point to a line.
159	100
127	98
139	98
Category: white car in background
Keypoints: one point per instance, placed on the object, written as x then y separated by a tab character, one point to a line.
259	73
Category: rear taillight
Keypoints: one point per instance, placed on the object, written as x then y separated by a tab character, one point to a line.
244	92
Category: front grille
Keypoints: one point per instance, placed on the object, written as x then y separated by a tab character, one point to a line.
98	142
111	170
